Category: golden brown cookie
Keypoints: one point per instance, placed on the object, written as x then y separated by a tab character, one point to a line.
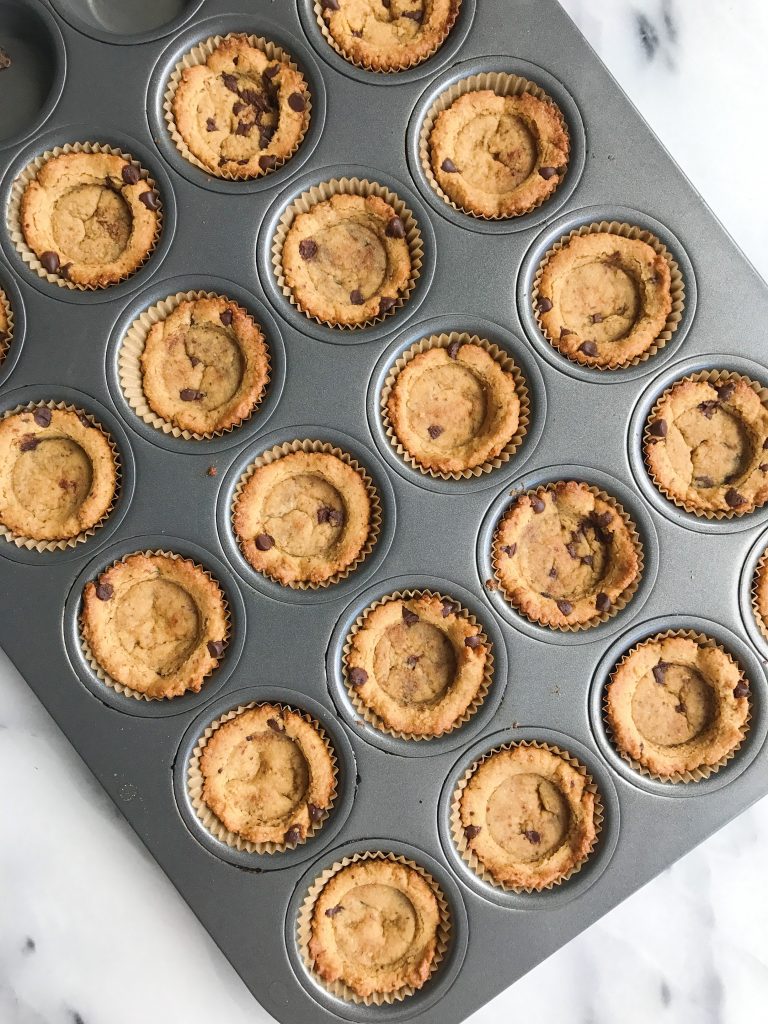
155	623
760	594
58	474
91	218
705	446
528	816
499	156
675	704
269	775
346	260
303	518
454	408
5	325
205	366
389	35
603	299
564	555
418	664
241	113
375	928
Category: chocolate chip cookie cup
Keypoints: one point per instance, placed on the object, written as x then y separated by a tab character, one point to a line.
76	176
481	393
6	326
759	594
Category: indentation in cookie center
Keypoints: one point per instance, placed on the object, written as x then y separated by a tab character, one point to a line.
91	224
267	777
451	397
414	664
719	446
216	365
563	560
55	477
157	622
600	300
377	925
496	154
528	816
675	711
296	515
350	257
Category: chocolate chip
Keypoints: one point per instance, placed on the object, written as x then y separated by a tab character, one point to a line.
28	443
332	911
449	608
765	444
5	60
191	395
570	547
453	349
84	419
130	174
194	361
358	676
596	318
307	248
237	108
412	660
708	409
741	689
600	519
473	642
589	348
226	317
243	128
356	297
104	591
395	228
409	618
50	261
658	428
330	5
509	549
42	416
215	648
210	125
680	708
230	81
293	835
414	15
150	199
327	514
603	602
565	607
212	471
471	831
659	671
733	499
434	431
315	813
553	573
532	836
587	559
725	391
263	542
274	725
764	467
271	71
565	332
537	503
449	167
547	172
296	102
544	305
385	304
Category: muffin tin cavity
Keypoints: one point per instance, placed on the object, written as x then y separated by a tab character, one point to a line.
496	335
125	701
345	778
521	69
114	21
32	82
592	868
635	445
337	680
572	222
757	726
156	293
602	481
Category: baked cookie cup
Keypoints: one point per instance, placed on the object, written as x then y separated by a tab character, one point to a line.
381	36
347	253
677	706
237	106
526	816
6	325
85	216
305	514
567	555
263	778
417	665
455	406
608	295
374	928
706	444
759	594
494	146
59	476
154	625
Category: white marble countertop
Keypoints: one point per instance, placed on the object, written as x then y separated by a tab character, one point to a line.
92	932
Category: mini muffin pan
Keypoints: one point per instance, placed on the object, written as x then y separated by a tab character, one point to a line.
86	71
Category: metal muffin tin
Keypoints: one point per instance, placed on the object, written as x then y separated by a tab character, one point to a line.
109	70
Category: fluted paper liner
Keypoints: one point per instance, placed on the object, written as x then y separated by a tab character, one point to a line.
356	187
310	446
698	774
61	545
30	172
127	691
304	929
131	378
368	715
760	568
676	287
199	54
718	378
318	12
621	601
502	85
505	361
5	343
460	839
195	782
